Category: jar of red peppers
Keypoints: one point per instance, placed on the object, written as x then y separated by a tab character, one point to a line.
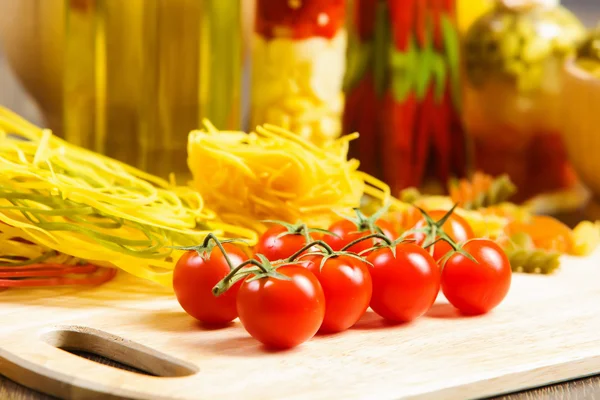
298	67
403	92
512	92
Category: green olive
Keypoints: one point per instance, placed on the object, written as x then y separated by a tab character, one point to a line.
588	53
562	44
536	49
506	43
510	45
524	26
515	67
590	48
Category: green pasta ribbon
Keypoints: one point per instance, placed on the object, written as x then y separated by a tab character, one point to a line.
525	258
59	202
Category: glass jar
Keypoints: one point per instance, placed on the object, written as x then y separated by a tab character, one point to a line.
512	87
139	75
588	54
403	92
468	11
298	66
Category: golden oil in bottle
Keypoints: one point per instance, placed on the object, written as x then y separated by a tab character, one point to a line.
141	74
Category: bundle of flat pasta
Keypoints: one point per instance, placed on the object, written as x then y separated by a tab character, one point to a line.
274	174
77	203
27	264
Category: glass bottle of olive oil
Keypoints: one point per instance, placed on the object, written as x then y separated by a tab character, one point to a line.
141	74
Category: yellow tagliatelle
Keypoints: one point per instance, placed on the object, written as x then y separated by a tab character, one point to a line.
84	205
19	252
274	174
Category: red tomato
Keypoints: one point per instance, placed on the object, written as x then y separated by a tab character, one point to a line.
348	231
279	248
405	286
476	288
347	287
282	313
456	227
299	19
194	278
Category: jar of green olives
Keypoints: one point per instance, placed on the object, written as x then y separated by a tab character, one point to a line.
588	54
512	63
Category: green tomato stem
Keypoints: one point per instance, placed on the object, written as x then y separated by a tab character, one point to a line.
319	243
220	246
371	236
224	284
433	235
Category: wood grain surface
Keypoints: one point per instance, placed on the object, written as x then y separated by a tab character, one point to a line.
581	389
546	331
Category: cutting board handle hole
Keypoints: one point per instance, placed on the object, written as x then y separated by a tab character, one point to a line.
145	360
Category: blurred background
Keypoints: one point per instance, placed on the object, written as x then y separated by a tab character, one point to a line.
15	97
437	89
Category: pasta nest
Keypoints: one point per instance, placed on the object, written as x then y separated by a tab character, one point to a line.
275	174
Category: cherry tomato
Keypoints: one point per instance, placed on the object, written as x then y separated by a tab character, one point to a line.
404	286
276	247
194	278
282	313
476	288
456	227
348	232
347	287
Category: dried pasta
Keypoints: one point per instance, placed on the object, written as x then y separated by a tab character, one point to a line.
481	191
484	222
274	174
89	207
524	257
586	238
533	261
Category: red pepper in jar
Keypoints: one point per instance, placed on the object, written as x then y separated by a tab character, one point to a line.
299	19
422	135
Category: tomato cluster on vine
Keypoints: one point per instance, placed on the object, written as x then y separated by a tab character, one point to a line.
302	280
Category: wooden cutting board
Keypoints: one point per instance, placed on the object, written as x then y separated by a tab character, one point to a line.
547	330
